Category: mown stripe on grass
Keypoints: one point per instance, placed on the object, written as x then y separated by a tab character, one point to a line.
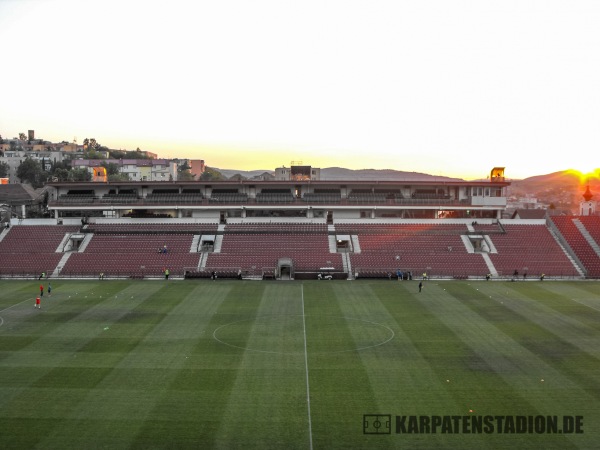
131	390
496	334
553	310
344	385
23	432
189	411
55	345
559	341
44	360
420	372
582	301
58	346
15	292
266	403
463	374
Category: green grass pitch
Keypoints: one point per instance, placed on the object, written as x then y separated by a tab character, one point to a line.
256	365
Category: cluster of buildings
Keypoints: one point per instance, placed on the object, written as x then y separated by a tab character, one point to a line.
14	151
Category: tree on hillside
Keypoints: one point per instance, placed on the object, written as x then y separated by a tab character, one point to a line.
128	154
61	174
116	154
91	144
113	172
137	154
80	174
184	172
65	164
4	168
111	168
93	154
30	171
185	176
211	174
184	167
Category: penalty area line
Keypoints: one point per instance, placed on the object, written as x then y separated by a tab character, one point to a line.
576	301
16	304
306	369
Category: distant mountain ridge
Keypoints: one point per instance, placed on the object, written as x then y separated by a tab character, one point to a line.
342	174
339	173
565	179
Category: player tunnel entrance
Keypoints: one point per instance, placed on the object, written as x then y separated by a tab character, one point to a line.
285	269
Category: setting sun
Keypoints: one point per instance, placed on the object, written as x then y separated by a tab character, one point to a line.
586	175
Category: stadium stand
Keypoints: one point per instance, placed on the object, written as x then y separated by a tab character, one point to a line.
133	255
582	247
592	225
28	250
255	248
417	248
531	250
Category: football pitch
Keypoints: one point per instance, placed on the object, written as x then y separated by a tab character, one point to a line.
314	364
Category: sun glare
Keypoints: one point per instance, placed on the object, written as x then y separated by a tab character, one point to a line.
586	175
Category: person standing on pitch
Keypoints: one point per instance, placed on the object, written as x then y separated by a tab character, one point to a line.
420	286
38	302
49	290
41	290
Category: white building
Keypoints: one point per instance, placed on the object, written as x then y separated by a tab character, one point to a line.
14	158
135	169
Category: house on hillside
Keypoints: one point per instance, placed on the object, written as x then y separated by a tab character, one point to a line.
23	200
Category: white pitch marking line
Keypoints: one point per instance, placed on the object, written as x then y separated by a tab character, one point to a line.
16	304
357	349
6	309
576	301
306	366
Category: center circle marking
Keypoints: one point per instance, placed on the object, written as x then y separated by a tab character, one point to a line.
285	334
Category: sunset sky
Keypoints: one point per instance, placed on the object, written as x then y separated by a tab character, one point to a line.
445	87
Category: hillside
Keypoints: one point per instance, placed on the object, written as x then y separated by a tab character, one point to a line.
340	173
564	189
